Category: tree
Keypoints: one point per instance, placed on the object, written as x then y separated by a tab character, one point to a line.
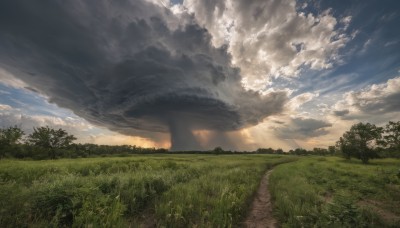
265	150
392	137
331	150
50	139
320	151
9	138
360	141
300	151
218	150
344	146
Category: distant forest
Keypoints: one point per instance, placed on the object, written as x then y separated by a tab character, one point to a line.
363	141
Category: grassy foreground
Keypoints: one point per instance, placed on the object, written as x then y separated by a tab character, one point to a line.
173	190
333	192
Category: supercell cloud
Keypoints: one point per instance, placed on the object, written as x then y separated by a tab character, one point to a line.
131	66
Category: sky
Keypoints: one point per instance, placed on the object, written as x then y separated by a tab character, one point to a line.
193	75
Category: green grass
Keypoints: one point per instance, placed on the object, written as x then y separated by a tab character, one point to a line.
173	190
197	191
333	192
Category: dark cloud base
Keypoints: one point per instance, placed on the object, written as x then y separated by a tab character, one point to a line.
303	128
130	66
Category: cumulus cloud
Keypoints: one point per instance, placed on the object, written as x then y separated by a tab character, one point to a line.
303	128
300	99
12	116
131	66
376	99
5	107
272	38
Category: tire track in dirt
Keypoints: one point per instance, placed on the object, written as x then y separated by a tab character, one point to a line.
260	215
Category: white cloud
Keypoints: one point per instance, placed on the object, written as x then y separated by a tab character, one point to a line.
27	122
5	107
301	99
10	116
271	38
375	99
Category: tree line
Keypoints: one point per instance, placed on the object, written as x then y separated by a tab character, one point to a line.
363	141
48	143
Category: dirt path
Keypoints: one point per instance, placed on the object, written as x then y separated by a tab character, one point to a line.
147	220
260	215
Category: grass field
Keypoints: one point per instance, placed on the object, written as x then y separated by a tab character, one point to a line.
197	191
173	190
333	192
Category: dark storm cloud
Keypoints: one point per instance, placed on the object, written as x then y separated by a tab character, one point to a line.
131	66
341	112
302	128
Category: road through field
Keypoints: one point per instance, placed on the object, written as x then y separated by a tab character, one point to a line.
260	215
